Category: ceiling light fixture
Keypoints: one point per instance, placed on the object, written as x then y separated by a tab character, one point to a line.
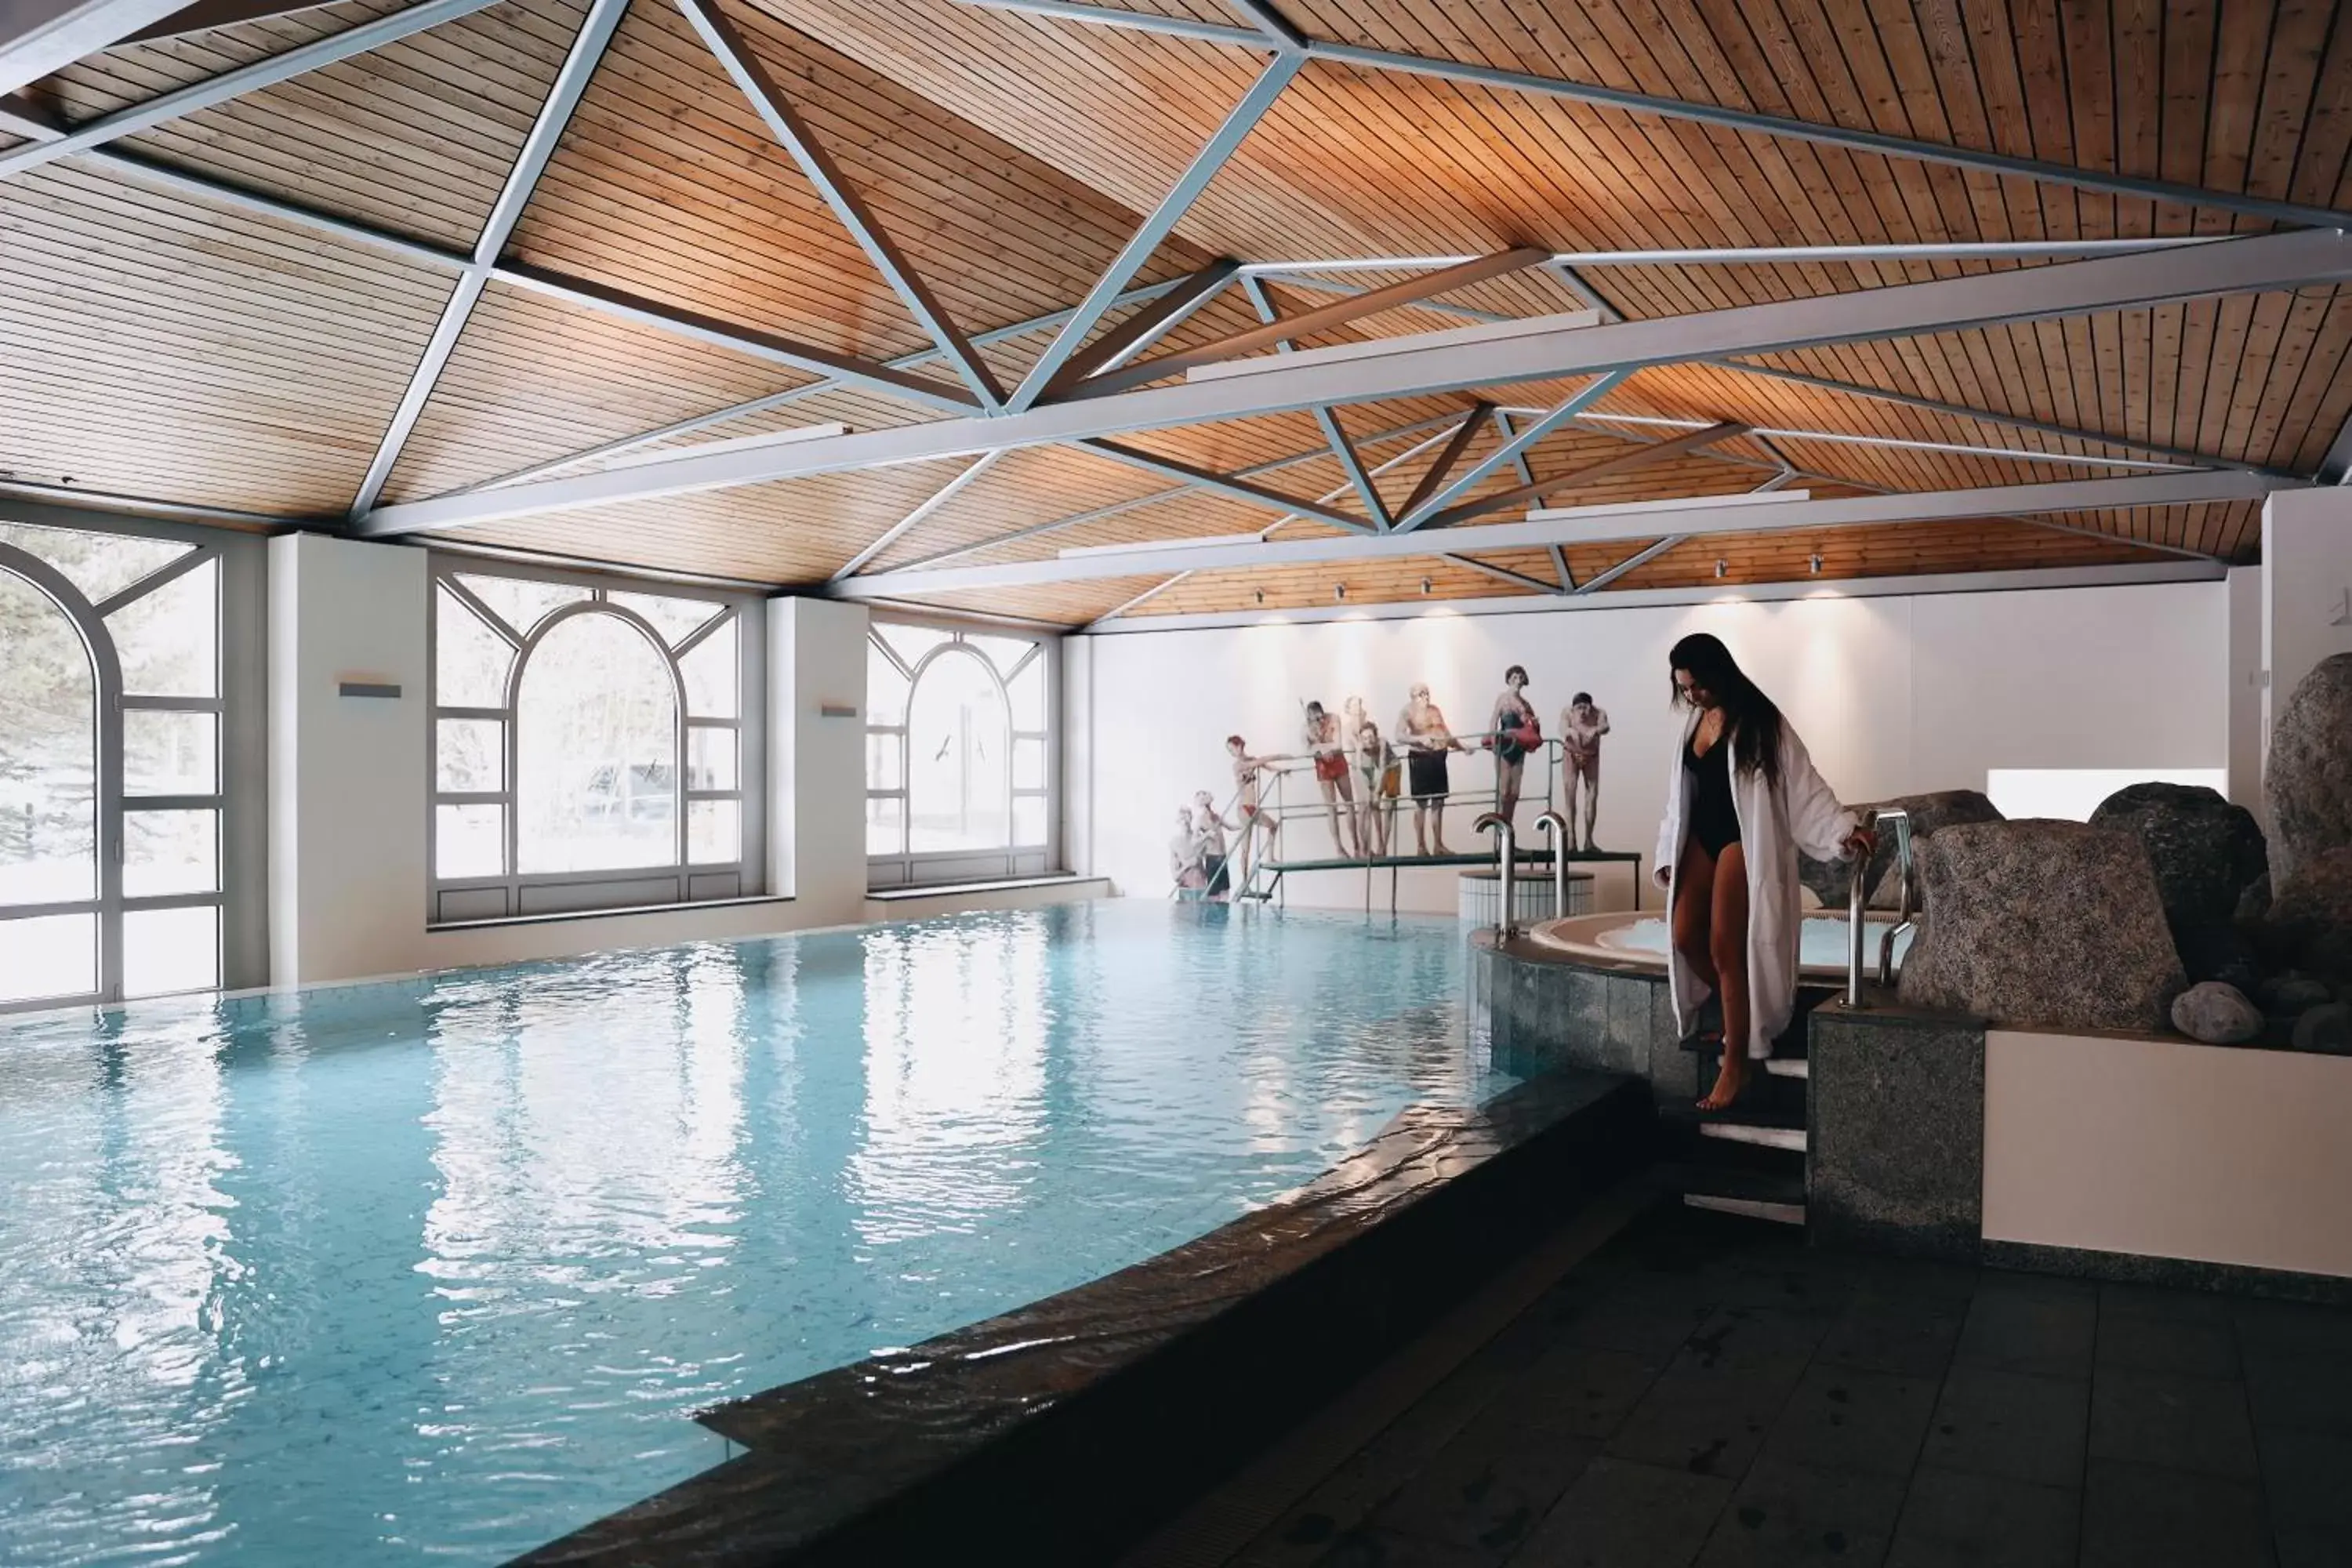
1425	584
1340	591
1722	567
1817	565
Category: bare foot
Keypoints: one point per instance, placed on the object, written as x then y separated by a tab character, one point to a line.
1728	1082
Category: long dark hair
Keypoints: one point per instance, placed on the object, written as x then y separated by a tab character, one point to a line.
1749	717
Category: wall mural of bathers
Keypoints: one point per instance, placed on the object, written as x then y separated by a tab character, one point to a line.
1346	782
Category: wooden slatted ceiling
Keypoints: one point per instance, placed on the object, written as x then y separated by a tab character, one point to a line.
669	186
416	136
154	347
532	379
1066	603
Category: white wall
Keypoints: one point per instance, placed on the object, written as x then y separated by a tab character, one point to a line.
349	780
2167	1148
1893	695
2307	585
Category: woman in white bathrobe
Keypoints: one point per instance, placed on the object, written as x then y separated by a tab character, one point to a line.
1744	798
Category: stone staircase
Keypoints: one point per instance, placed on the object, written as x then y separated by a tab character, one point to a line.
1749	1161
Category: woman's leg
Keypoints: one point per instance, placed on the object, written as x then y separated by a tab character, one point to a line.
1727	937
1693	911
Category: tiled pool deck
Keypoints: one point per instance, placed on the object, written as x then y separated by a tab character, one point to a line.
1709	1390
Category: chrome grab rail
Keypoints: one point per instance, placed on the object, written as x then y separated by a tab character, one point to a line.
1507	858
1562	837
1857	907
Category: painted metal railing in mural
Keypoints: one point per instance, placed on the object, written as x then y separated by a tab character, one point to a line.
1365	821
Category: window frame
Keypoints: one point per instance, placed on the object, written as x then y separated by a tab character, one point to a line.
240	796
516	894
909	867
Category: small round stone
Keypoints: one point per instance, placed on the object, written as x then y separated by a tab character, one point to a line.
2326	1028
2216	1013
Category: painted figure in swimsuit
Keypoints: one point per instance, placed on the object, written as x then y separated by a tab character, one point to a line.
1249	774
1211	828
1581	724
1374	777
1328	746
1421	729
1511	731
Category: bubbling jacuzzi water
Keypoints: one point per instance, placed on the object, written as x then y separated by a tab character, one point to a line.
440	1269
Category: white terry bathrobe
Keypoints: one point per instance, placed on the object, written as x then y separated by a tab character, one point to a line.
1774	824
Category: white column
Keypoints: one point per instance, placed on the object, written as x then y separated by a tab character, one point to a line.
347	774
816	716
2248	730
2307	587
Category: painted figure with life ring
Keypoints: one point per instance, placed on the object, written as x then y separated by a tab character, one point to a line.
1512	731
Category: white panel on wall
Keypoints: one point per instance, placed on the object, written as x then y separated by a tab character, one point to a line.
1892	695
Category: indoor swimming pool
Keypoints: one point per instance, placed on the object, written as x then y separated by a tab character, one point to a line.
440	1267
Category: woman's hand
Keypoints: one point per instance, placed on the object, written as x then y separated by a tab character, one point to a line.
1862	843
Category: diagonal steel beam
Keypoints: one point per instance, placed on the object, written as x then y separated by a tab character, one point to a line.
1144	328
1714	515
1278	29
1560	565
1447	458
1323	318
938	498
1225	484
1640	558
1741	120
623	306
1117	509
1519	494
775	400
1577	401
752	75
245	78
1333	436
18	116
2336	468
38	37
1136	21
206	14
2260	263
1126	605
546	130
1221	145
1503	572
1519	458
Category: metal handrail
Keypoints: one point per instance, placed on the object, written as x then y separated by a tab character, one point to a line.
1506	860
1562	837
1857	907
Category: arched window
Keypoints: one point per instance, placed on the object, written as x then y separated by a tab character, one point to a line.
957	781
590	745
114	879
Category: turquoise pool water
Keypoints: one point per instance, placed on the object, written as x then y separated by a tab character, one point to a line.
439	1269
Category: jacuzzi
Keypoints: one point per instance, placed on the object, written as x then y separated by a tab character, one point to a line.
1624	937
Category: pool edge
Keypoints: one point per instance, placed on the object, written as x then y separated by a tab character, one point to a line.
1064	1428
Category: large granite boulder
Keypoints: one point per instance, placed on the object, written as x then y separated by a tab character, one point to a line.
2309	926
2043	924
2308	785
1831	880
2207	853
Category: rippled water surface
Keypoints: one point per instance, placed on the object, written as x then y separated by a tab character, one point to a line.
439	1269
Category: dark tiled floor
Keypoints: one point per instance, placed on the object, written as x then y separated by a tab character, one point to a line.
1708	1391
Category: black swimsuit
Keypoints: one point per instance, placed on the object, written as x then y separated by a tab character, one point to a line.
1714	820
